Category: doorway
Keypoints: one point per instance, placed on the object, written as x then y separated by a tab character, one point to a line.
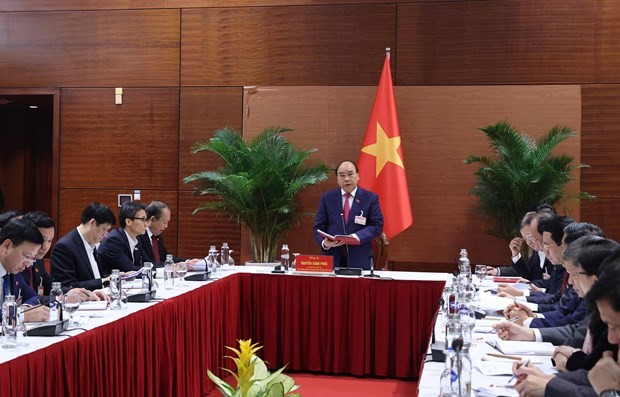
29	142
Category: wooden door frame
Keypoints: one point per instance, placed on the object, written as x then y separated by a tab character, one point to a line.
55	136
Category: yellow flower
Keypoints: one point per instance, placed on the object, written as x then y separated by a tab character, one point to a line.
245	364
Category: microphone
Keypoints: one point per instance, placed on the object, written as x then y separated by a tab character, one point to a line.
344	231
371	256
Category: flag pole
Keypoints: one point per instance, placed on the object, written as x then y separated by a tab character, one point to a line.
387	52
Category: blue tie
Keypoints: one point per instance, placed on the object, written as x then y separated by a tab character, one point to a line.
6	285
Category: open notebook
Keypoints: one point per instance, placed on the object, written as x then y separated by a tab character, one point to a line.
522	348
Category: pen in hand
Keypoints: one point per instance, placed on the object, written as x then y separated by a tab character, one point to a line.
512	320
514	375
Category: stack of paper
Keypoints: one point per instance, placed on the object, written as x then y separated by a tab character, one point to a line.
522	348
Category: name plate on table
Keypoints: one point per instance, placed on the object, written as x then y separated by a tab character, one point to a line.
314	263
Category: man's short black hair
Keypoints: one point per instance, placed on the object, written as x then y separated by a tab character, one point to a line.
555	225
99	212
575	230
346	161
8	215
607	287
128	211
20	230
40	219
590	252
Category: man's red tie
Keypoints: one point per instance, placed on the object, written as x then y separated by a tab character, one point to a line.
565	282
155	248
347	207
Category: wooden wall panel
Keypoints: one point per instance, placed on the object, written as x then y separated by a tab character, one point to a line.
198	231
133	145
61	5
321	45
439	129
86	49
203	111
603	212
514	41
73	202
601	118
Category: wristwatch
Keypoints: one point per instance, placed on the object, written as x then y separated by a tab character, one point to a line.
610	393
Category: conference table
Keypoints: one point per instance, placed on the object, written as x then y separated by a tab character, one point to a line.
323	323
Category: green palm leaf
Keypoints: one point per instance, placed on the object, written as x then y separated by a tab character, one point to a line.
257	184
522	174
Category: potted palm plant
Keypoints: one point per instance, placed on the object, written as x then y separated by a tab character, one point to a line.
257	184
522	174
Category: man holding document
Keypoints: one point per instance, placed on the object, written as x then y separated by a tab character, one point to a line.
348	211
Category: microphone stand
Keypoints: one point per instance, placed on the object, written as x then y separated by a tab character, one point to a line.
347	271
372	264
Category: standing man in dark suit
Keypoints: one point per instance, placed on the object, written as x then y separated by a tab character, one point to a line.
152	244
120	249
349	210
74	257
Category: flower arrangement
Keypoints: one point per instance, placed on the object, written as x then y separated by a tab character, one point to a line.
252	376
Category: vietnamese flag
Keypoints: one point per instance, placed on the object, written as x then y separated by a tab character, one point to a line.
381	164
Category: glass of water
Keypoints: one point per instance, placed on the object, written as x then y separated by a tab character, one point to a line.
181	272
71	305
481	272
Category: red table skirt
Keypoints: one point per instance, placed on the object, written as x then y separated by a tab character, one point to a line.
331	325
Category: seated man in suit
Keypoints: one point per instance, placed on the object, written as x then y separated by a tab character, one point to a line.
348	210
119	250
74	258
19	242
530	269
152	242
604	378
36	275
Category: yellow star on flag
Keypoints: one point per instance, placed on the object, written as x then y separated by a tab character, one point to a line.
384	149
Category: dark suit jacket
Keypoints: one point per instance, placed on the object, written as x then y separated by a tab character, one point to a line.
567	384
569	335
114	253
146	250
70	264
329	219
571	310
38	272
20	288
553	293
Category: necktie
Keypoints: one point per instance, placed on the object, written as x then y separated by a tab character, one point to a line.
155	241
565	282
347	207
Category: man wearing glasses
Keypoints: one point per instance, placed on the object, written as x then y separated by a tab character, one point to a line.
20	241
120	248
74	261
348	210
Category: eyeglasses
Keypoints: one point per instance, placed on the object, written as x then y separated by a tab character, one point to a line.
105	230
28	258
143	219
547	245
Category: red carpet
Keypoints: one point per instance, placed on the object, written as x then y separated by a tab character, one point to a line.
345	386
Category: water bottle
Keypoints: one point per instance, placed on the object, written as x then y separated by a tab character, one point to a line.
147	277
215	263
455	380
448	376
115	290
464	267
225	254
169	272
454	329
56	301
9	323
284	257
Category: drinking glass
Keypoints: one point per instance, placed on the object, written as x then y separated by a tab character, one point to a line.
181	272
21	329
481	272
71	305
